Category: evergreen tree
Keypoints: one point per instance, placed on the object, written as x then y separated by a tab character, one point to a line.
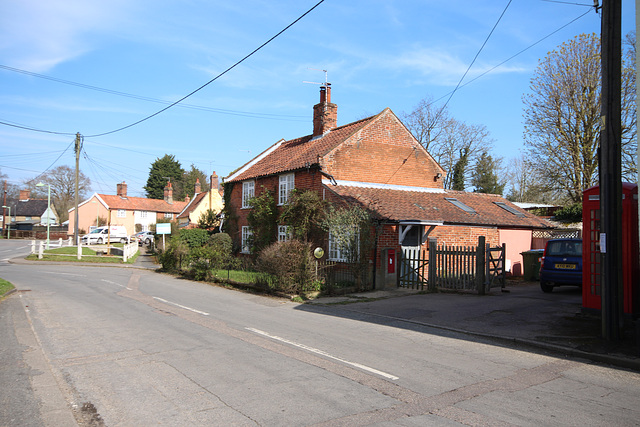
189	181
161	171
485	177
459	170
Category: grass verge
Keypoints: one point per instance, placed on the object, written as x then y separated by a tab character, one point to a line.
5	287
69	254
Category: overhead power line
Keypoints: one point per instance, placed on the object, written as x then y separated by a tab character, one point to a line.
150	99
213	79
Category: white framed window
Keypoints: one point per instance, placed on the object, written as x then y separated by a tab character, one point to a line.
122	213
285	187
284	233
337	250
246	239
142	214
168	215
248	192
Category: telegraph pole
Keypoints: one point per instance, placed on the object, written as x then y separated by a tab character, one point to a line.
78	148
611	172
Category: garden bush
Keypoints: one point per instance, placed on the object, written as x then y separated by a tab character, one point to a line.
291	264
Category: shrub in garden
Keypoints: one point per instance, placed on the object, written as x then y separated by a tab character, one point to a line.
290	263
194	237
215	255
174	256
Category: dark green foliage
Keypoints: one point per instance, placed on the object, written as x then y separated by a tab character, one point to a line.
194	237
175	255
215	255
208	221
161	170
263	220
571	213
304	212
485	177
189	181
291	264
459	170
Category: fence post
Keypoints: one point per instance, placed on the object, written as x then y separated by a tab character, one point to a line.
33	246
79	249
480	265
431	280
60	242
40	250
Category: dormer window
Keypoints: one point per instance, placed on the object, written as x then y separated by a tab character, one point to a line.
457	203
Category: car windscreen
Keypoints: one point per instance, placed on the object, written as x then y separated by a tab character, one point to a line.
564	248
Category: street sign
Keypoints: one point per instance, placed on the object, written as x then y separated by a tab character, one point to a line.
163	228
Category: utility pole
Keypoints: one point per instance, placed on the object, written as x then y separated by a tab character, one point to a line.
611	172
78	148
4	203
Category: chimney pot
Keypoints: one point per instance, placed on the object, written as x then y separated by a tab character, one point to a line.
168	194
325	114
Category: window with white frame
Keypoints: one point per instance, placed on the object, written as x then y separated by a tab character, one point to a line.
339	248
246	239
168	215
284	233
122	213
142	214
286	186
248	192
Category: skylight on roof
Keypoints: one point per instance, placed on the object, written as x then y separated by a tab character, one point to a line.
509	209
460	205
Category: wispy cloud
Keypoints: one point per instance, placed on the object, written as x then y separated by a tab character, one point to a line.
38	35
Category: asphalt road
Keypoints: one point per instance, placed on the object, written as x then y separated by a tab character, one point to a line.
142	348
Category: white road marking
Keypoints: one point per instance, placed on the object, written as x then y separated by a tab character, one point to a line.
66	274
117	284
325	354
181	306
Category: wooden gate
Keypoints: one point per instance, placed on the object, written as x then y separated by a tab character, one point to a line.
413	272
453	267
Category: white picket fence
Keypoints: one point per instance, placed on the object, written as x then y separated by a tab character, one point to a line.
128	250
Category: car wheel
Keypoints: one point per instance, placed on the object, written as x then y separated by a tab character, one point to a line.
123	240
147	242
100	241
546	287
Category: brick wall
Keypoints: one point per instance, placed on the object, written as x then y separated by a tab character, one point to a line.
384	152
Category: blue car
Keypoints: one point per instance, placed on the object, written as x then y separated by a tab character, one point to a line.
561	264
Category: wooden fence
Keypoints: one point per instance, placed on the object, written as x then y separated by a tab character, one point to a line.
477	268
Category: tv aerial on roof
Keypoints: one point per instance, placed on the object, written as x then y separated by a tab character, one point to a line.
326	82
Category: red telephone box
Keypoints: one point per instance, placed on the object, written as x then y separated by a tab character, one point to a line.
591	290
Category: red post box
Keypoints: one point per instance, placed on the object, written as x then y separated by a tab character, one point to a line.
591	290
391	261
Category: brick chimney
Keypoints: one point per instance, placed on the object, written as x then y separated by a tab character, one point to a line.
198	187
168	193
24	195
214	181
122	190
187	199
325	114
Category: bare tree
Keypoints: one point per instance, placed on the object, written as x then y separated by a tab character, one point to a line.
62	181
562	117
445	138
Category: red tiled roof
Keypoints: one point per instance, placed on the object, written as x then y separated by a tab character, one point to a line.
296	153
403	205
141	204
192	205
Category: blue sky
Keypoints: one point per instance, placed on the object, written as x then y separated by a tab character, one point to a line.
378	53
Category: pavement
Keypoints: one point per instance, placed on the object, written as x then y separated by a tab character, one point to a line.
521	315
518	315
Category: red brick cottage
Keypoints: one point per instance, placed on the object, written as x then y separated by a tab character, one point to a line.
377	163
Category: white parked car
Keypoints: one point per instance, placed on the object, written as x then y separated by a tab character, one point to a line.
100	235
